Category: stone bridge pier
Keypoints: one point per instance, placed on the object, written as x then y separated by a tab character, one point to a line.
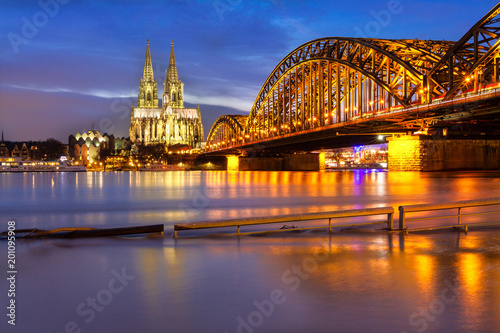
283	162
422	153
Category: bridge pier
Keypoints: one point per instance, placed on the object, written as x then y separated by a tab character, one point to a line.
422	153
304	162
283	162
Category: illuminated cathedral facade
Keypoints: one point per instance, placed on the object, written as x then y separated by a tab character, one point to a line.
168	124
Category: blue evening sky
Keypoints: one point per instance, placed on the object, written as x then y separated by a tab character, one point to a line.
65	64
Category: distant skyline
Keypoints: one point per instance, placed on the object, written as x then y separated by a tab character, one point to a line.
67	64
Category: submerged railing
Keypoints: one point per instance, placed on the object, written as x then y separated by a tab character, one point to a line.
459	205
389	211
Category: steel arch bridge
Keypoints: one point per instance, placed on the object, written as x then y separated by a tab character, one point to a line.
335	82
227	129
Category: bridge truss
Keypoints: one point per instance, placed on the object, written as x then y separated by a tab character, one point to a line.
330	82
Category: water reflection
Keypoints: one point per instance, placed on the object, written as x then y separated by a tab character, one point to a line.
327	280
170	197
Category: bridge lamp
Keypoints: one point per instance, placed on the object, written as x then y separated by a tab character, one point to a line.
371	103
381	138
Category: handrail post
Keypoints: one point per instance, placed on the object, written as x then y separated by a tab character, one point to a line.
390	221
238	230
459	215
401	217
175	232
330	225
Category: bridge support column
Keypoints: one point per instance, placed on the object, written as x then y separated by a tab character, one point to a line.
249	163
233	163
304	162
421	153
285	162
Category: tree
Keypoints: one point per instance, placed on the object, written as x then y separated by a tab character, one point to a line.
145	154
52	149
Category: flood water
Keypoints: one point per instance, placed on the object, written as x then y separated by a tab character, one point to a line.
348	281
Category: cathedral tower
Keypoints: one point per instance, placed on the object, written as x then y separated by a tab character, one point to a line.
169	125
174	88
148	90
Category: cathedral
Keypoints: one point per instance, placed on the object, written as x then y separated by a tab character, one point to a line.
168	124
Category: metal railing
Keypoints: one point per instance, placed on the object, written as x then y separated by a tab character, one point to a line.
459	205
389	211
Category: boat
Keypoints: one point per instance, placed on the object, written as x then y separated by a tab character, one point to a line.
17	164
161	167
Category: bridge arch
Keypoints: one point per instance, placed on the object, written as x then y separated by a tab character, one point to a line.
226	131
471	62
332	80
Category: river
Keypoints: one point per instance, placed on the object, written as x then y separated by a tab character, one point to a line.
348	281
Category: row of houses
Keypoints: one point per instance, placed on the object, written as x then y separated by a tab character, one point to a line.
32	150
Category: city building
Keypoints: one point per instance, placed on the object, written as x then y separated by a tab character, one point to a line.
171	123
91	146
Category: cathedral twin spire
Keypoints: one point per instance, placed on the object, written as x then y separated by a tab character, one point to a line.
172	67
148	90
148	66
174	88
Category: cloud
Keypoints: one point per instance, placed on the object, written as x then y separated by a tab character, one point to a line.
226	101
91	92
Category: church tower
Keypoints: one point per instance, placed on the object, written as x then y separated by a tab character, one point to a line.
148	91
174	89
169	125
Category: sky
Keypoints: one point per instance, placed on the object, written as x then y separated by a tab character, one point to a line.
68	65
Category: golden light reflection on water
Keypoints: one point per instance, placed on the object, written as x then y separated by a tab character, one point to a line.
425	269
471	270
334	190
471	267
161	270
